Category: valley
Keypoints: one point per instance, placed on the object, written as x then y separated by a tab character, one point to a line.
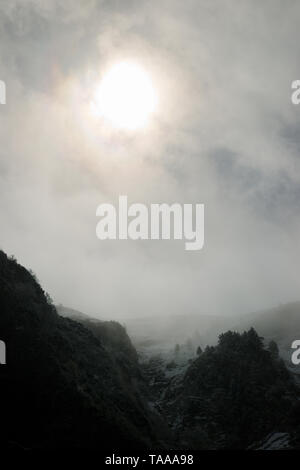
179	382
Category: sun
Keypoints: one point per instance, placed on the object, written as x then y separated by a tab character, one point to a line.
125	97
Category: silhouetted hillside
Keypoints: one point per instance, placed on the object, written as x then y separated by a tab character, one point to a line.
66	384
80	384
112	334
233	395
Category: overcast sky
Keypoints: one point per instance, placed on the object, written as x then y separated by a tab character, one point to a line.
225	134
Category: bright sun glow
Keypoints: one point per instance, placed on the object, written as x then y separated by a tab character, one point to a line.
125	97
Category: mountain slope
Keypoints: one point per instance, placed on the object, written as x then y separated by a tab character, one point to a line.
234	394
79	384
63	385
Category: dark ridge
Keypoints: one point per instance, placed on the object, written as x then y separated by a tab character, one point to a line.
66	384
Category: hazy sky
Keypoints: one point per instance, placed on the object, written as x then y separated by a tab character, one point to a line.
225	134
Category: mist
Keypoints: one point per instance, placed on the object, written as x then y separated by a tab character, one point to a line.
225	135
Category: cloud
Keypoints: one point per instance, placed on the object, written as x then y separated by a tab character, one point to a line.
225	135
